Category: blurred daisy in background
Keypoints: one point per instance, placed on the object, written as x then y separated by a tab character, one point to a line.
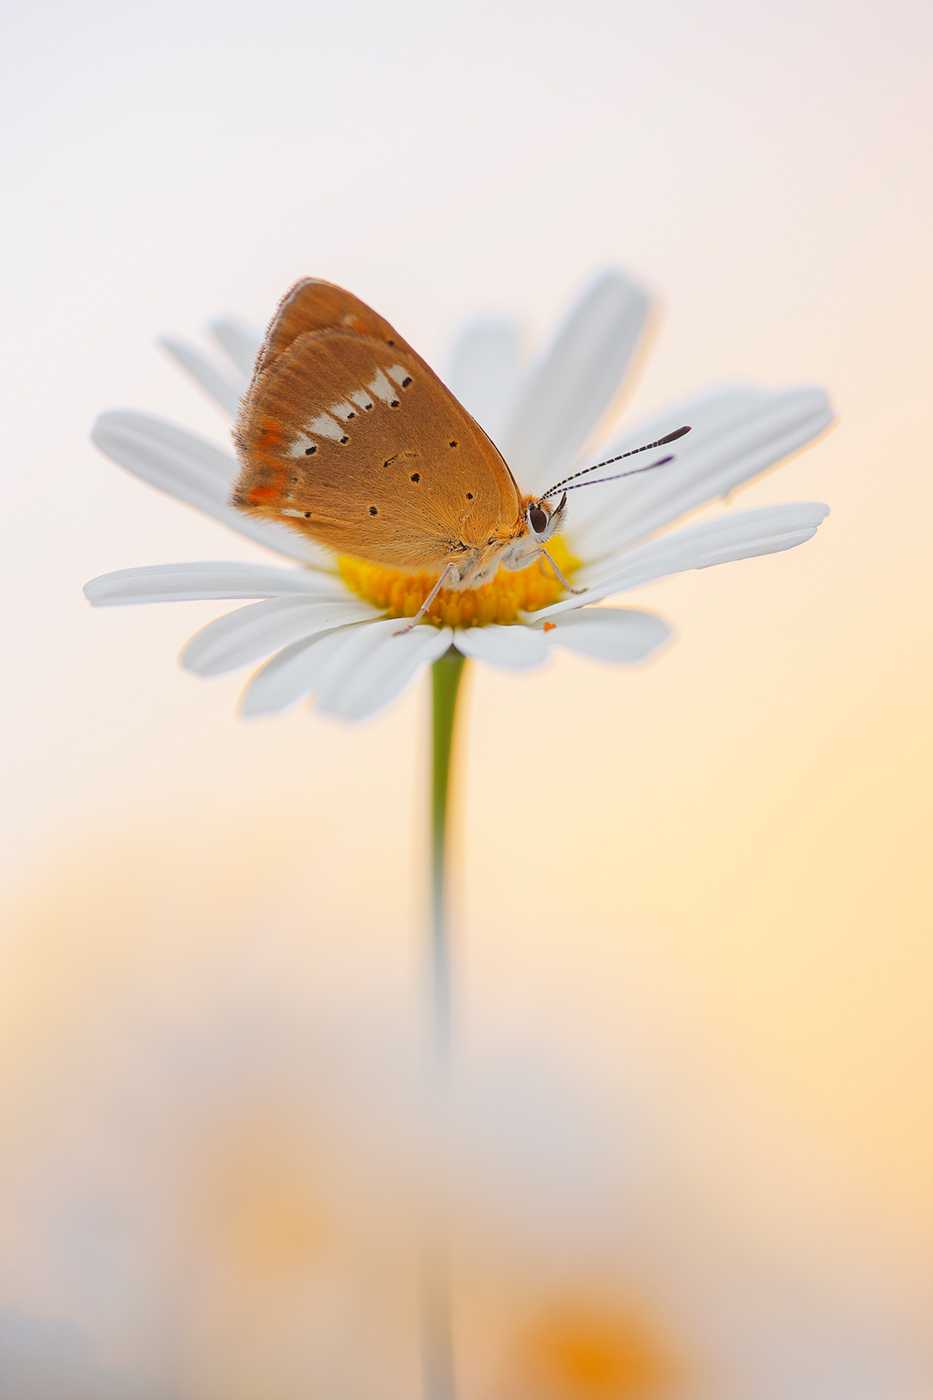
211	1173
330	626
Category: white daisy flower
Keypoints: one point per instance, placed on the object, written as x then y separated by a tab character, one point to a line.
330	626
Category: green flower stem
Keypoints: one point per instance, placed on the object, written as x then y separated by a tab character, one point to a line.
437	1337
446	675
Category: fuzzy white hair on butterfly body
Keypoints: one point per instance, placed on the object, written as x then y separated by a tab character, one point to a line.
542	522
527	548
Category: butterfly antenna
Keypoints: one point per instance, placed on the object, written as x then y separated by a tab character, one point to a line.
662	462
648	446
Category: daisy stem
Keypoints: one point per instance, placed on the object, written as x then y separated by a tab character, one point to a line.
437	1333
445	677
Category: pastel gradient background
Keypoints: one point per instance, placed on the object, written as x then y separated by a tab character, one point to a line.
694	928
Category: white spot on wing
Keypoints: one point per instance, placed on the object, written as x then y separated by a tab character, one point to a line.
343	411
362	399
299	448
298	513
380	388
398	373
325	426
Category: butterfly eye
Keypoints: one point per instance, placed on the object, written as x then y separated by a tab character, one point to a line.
538	519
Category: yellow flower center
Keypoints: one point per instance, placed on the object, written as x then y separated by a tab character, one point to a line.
501	601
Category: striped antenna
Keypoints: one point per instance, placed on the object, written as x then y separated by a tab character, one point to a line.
661	442
619	475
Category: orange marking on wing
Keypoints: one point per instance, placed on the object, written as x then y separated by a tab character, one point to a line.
266	446
259	495
550	626
270	435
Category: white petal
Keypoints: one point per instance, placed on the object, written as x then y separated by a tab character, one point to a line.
736	435
484	372
257	630
620	635
240	341
357	688
740	536
193	471
514	647
567	392
225	389
165	583
355	670
708	415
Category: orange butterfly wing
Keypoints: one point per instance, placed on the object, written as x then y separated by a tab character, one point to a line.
347	435
315	305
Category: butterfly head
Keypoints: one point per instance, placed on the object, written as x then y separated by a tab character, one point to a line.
540	520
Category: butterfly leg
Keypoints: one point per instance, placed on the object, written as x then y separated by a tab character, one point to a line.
446	573
558	575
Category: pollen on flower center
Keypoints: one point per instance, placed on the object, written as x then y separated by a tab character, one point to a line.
500	601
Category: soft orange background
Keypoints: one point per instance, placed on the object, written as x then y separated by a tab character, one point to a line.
724	855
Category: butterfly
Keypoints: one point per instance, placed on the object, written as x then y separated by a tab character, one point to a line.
348	436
